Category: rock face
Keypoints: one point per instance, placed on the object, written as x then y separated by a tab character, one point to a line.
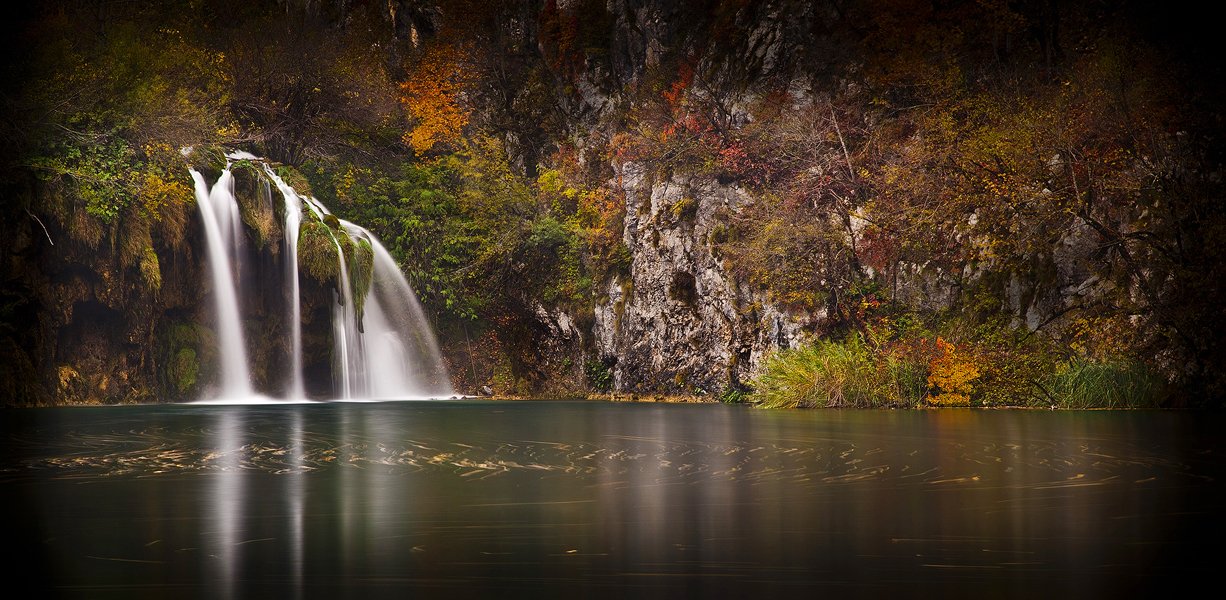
680	323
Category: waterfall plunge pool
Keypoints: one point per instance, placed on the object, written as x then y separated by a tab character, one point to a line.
496	499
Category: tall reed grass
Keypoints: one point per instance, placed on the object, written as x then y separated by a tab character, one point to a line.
831	374
1081	383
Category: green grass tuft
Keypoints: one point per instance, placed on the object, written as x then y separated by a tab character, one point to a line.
361	273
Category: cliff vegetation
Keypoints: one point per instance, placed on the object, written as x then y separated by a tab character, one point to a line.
788	202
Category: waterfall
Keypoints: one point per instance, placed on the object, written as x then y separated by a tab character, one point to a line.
293	220
345	359
400	345
383	346
216	209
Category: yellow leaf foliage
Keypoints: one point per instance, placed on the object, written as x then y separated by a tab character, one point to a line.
951	374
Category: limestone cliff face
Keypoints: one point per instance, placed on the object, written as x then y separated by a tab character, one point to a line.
680	322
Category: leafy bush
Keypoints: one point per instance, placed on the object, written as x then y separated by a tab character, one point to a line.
548	234
952	374
598	375
732	395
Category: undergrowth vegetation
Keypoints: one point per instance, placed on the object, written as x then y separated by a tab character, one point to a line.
830	374
945	361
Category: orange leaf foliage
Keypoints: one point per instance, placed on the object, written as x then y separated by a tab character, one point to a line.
952	374
433	94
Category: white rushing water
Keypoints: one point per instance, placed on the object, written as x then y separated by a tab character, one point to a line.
293	220
399	342
382	348
235	376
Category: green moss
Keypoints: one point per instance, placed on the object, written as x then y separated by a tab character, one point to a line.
684	208
186	355
150	270
183	369
361	273
317	251
258	215
294	179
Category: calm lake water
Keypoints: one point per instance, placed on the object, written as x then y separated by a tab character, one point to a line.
561	499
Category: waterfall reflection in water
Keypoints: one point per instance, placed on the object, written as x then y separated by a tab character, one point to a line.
608	499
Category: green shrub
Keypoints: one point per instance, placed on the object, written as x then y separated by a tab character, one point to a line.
732	395
548	234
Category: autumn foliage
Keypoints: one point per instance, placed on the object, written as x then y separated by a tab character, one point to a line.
951	375
433	93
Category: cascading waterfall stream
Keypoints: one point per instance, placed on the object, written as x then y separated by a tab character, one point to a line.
342	317
391	311
229	221
383	347
235	377
346	345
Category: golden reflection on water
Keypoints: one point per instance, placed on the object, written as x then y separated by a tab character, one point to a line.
576	495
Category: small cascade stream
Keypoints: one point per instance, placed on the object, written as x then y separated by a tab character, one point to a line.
293	220
383	347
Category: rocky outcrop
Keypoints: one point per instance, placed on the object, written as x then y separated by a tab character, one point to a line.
680	322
